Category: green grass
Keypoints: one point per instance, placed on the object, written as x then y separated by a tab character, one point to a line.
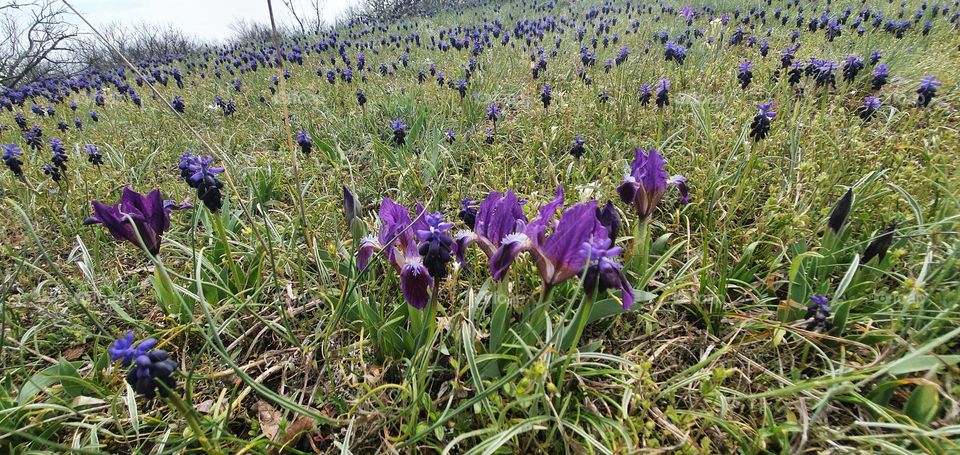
277	333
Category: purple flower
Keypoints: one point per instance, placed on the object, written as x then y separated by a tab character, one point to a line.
645	92
493	112
11	154
304	141
398	238
546	96
559	254
435	245
880	74
135	213
93	154
60	156
450	135
399	131
577	149
760	127
852	65
744	74
34	137
603	272
927	90
818	311
646	183
663	93
675	52
498	216
123	349
95	116
201	175
351	206
869	108
178	104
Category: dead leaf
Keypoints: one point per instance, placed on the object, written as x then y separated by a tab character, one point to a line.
74	353
301	425
269	419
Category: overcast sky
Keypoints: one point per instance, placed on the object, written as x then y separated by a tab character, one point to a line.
208	19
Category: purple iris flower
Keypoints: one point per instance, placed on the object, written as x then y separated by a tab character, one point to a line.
498	216
398	238
646	183
148	215
927	90
603	272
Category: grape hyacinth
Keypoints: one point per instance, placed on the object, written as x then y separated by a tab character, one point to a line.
60	157
203	177
150	370
818	311
760	127
880	74
927	90
577	149
869	108
304	141
11	154
744	74
546	96
93	154
663	93
399	131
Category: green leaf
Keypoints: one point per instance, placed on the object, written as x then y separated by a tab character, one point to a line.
924	363
609	307
923	403
46	378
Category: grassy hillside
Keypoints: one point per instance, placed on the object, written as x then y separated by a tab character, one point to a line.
804	299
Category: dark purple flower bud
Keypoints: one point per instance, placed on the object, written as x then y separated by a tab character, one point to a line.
436	246
135	213
11	154
77	123
34	137
603	96
488	136
351	207
603	272
577	149
361	98
94	116
21	121
493	112
60	157
818	311
53	172
178	104
879	245
62	126
468	212
546	96
840	211
851	67
645	92
610	219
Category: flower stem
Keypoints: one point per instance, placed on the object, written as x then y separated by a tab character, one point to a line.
174	400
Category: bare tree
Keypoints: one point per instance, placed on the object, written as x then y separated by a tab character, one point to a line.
296	17
317	7
35	40
250	31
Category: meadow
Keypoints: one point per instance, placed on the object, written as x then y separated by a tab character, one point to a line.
517	227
